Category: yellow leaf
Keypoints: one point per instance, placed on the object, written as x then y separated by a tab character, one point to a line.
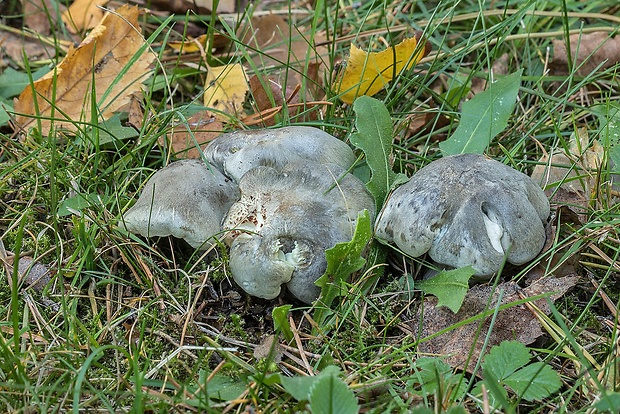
189	46
83	15
367	73
225	89
104	56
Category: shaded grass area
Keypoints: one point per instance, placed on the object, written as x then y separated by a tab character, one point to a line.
132	324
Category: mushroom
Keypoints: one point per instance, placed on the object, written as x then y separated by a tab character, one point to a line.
467	210
187	199
284	222
237	152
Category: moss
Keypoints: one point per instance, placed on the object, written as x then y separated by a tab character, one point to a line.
235	326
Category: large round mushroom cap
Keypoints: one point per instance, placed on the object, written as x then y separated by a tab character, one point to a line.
237	152
187	199
284	222
467	210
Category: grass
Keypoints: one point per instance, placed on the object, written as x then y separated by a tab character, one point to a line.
128	324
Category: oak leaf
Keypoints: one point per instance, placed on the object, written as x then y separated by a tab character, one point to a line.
369	72
114	56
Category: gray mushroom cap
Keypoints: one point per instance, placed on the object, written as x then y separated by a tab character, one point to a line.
467	210
237	152
187	199
284	222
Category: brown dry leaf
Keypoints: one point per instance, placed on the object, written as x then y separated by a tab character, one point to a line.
201	128
499	67
111	46
225	89
223	6
514	323
280	44
199	6
268	93
135	114
369	72
15	47
83	15
269	346
588	51
30	273
38	13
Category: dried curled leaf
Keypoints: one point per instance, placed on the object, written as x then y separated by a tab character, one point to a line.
368	72
113	55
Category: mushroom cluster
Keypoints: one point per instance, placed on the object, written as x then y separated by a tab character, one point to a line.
279	198
467	210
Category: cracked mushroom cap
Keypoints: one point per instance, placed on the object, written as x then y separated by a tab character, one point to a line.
237	152
187	199
467	210
284	222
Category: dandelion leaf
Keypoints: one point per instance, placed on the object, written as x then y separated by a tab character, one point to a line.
374	137
449	286
484	116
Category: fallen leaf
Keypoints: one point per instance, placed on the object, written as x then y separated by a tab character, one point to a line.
39	13
272	42
83	15
198	6
111	54
16	47
225	89
135	114
188	140
367	73
31	273
268	94
223	6
190	45
588	52
269	347
513	323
